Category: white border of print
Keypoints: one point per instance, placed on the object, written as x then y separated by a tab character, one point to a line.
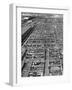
15	65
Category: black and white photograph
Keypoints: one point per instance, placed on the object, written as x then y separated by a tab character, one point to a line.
36	45
41	44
